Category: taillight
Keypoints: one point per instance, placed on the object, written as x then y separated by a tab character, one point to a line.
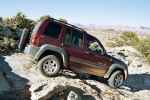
35	40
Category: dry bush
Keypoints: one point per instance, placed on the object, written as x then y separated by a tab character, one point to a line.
7	45
132	39
126	38
144	47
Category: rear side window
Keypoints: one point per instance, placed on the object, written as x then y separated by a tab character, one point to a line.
77	38
53	29
67	37
73	38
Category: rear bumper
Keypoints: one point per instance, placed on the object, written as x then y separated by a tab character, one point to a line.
31	50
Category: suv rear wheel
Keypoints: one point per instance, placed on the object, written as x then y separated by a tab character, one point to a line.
49	65
116	79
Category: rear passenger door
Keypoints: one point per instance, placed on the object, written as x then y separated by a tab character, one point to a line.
73	44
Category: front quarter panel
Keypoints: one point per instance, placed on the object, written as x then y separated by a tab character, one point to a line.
113	67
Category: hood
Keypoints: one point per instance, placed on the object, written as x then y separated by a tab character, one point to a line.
117	60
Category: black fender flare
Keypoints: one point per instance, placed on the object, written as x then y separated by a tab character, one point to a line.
53	48
113	67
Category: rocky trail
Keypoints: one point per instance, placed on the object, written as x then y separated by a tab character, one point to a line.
21	80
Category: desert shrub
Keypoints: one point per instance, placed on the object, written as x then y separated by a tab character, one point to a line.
148	58
9	42
44	17
130	38
10	31
126	38
115	42
144	47
9	21
18	21
21	21
7	46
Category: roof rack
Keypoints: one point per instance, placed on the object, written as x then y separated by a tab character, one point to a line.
66	23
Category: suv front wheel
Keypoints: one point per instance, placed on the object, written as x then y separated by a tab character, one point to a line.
49	65
116	79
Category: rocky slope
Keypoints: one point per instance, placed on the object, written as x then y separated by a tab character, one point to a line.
20	79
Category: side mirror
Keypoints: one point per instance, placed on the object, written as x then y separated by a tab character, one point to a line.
103	53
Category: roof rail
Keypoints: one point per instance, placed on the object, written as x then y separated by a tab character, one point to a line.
66	23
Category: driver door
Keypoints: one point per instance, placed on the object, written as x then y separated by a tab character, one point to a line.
96	62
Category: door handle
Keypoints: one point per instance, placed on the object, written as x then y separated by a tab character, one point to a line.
62	44
87	52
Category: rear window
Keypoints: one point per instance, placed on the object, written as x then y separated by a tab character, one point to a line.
53	29
37	26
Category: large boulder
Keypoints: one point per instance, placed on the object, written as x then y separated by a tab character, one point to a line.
61	87
4	84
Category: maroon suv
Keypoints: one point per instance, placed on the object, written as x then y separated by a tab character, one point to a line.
56	44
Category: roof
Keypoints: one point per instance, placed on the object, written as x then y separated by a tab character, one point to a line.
66	23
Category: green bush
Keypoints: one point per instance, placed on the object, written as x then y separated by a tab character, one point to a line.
144	47
7	43
18	21
21	21
115	42
132	39
44	17
148	58
125	39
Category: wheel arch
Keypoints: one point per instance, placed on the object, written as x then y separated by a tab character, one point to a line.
117	69
50	49
50	52
114	68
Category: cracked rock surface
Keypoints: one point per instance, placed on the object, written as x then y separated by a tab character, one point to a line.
21	80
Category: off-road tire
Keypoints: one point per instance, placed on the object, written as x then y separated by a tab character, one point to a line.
49	65
112	81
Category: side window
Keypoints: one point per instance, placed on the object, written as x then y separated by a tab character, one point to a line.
73	38
53	30
77	38
67	37
93	45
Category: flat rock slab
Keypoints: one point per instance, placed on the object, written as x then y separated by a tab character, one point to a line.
22	72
